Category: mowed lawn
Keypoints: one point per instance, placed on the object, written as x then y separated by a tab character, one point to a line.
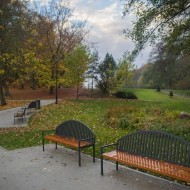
153	95
153	110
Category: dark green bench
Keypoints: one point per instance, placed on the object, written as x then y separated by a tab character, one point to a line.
155	151
72	133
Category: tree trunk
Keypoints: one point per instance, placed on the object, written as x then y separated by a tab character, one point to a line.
6	91
77	92
51	90
2	96
92	89
32	81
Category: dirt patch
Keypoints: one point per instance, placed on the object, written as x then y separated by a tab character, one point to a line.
40	93
43	93
20	97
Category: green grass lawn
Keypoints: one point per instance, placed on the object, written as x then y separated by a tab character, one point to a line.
153	110
182	92
153	95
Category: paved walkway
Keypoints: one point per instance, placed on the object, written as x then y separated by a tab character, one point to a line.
33	169
7	116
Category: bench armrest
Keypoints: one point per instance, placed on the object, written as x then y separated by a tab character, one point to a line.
91	138
48	131
18	112
105	146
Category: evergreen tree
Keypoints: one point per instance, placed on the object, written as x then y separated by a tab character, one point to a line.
106	71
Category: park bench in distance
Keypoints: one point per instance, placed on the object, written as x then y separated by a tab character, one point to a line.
154	151
33	105
72	133
20	114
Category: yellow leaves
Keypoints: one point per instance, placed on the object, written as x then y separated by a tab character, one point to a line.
2	71
1	27
40	44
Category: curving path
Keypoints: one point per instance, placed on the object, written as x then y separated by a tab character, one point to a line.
7	116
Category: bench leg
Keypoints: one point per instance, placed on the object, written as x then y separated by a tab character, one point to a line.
79	152
43	143
117	165
102	169
55	145
93	153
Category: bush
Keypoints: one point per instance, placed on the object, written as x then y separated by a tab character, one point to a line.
158	89
120	94
171	93
124	123
131	95
124	95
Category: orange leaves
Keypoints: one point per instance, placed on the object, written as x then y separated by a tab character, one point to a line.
13	104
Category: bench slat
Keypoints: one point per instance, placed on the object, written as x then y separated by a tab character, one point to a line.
67	141
164	168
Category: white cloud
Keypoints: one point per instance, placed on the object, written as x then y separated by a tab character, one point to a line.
104	18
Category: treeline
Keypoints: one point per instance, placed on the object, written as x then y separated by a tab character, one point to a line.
166	22
165	69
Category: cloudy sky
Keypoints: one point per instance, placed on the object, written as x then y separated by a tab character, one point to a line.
106	22
104	18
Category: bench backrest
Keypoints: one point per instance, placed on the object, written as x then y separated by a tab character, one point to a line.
158	145
32	105
24	111
75	129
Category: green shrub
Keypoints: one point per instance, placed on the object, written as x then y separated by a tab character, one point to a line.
171	93
124	123
125	95
120	94
131	95
158	89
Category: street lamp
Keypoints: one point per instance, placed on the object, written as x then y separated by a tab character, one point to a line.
56	92
57	59
56	81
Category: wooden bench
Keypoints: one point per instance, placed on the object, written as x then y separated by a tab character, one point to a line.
74	134
20	114
154	151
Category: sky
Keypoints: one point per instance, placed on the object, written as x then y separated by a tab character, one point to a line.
104	17
105	22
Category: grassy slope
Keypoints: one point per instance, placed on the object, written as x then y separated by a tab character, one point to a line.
178	103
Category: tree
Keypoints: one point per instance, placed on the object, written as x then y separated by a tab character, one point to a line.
61	34
157	19
92	72
13	32
106	71
76	64
165	68
124	73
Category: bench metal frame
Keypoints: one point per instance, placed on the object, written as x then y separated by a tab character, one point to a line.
74	130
